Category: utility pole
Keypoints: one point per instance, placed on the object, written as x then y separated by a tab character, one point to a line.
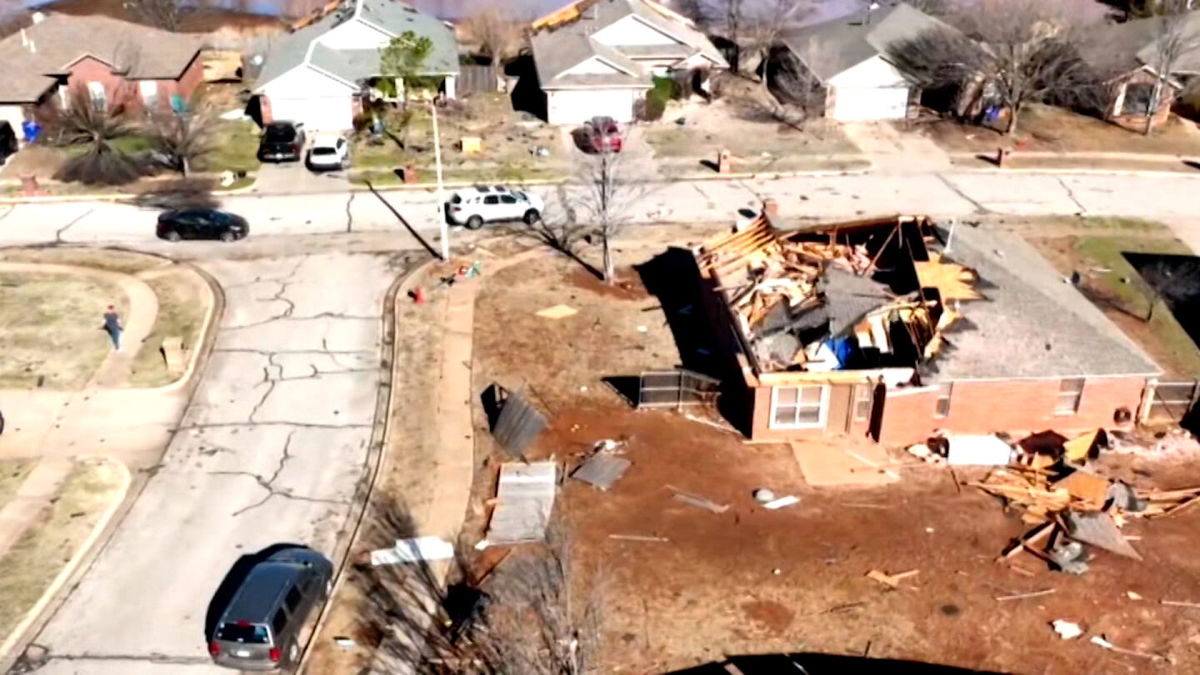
441	190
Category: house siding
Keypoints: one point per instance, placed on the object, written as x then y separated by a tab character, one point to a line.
574	106
632	31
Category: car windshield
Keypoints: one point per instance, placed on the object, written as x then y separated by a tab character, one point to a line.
280	133
244	632
324	151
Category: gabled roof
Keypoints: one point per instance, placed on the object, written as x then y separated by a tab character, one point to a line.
34	57
1133	44
565	38
390	17
833	47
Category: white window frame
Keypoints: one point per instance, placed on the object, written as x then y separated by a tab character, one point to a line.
822	411
1076	396
945	392
149	90
860	398
97	95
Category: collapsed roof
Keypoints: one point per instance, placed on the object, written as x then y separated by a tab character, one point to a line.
884	296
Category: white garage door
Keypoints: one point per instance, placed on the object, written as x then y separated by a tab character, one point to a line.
869	103
317	114
577	106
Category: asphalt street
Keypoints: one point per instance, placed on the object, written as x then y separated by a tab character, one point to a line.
270	451
1162	196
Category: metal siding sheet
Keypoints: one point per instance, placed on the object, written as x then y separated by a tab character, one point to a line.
524	502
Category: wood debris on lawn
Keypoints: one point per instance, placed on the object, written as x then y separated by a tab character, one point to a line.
697	501
891	580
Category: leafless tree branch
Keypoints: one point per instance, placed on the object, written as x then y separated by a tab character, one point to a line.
1177	35
164	14
498	33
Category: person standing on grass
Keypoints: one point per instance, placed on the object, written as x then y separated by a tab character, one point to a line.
112	326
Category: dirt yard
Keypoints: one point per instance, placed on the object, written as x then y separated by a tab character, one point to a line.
692	133
1045	128
755	581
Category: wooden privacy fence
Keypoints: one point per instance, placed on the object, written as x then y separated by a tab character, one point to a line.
1172	401
675	389
475	79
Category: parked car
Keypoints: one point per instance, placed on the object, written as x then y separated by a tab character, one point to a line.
602	134
260	627
281	141
485	204
8	142
328	151
200	223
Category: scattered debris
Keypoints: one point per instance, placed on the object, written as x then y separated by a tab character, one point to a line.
601	470
1133	595
968	450
1023	596
781	502
1101	641
764	495
697	501
525	500
892	580
1067	630
609	446
637	537
557	312
344	642
419	549
518	423
1177	603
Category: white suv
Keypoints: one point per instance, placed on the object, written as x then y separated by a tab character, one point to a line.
482	204
328	152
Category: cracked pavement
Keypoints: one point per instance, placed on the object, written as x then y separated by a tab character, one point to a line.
270	450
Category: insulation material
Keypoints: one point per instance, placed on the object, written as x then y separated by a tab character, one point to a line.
953	281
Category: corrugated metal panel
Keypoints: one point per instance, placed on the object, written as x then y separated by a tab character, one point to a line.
524	502
519	423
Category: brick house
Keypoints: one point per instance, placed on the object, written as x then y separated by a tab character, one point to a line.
107	61
894	329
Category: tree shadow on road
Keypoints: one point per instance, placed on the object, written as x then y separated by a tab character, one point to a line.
408	226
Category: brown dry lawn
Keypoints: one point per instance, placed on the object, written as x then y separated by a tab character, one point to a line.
12	473
40	554
182	305
1050	129
49	326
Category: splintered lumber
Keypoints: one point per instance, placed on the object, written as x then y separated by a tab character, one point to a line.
1022	596
697	501
892	580
1024	543
1178	603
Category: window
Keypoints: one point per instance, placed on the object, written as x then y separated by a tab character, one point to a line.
242	631
149	91
863	395
279	622
1137	98
292	599
98	96
943	400
1070	393
491	199
508	199
798	406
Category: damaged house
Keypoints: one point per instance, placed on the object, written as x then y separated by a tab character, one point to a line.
895	329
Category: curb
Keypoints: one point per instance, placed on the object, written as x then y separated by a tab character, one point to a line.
113	197
8	649
380	435
207	338
1079	172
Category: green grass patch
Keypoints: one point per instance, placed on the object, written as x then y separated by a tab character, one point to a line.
181	310
31	565
235	146
12	473
1112	274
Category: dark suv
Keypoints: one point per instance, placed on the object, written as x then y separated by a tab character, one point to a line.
281	142
201	224
260	629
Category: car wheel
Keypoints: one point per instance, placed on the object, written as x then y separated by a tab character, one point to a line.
531	216
474	223
228	236
294	655
172	235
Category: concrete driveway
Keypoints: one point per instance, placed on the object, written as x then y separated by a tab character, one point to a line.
270	451
287	178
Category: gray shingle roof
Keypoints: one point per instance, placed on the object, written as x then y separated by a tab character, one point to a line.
391	16
832	47
1031	323
556	50
59	40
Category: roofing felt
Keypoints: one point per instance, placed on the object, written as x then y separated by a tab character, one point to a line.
47	48
834	46
1030	322
557	50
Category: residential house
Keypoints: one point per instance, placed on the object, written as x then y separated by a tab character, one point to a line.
1128	54
599	57
845	60
319	74
103	59
895	329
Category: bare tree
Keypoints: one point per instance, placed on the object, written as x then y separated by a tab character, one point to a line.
498	33
724	17
610	187
164	14
1027	50
96	123
182	137
793	77
765	21
1177	35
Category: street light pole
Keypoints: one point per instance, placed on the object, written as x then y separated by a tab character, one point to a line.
441	190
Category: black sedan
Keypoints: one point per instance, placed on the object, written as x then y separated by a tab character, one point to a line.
201	224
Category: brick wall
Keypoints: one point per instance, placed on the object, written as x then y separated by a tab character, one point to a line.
1136	122
118	89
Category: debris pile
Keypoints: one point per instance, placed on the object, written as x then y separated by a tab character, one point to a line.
851	296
